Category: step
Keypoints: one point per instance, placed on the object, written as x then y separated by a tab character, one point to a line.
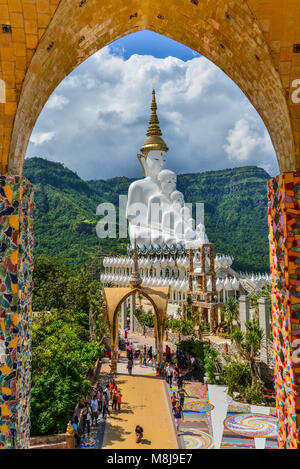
61	445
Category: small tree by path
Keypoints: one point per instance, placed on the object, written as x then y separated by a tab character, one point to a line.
231	312
248	345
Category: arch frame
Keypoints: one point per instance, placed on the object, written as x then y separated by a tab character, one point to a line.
114	297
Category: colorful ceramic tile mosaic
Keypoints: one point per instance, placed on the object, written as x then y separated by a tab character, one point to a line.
196	428
16	244
284	227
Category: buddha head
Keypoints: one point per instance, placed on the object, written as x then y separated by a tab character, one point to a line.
153	163
167	180
177	199
153	156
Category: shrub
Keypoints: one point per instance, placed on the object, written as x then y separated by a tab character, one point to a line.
193	347
146	319
236	375
254	394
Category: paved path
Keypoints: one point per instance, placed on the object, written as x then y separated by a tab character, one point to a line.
144	403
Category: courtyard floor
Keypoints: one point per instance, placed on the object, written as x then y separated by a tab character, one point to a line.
212	420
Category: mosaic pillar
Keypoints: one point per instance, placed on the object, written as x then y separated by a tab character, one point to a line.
16	230
284	226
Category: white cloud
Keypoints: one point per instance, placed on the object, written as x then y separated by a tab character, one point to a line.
57	101
246	140
39	138
206	120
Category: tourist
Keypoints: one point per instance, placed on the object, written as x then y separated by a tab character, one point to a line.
130	366
176	372
141	361
179	380
169	371
178	415
130	351
145	356
76	431
168	353
87	415
119	400
150	355
181	392
99	398
94	408
173	399
105	403
114	398
111	386
139	432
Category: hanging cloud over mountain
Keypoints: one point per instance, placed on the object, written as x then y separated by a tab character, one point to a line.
96	120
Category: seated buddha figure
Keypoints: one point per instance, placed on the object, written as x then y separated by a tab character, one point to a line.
153	161
158	205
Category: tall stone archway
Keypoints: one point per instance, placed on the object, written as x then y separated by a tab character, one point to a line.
114	297
255	42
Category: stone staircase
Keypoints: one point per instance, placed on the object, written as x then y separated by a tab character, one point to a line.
48	442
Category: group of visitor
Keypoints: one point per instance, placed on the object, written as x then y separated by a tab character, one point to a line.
93	408
146	356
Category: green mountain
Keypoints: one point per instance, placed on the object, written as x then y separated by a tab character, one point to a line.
65	213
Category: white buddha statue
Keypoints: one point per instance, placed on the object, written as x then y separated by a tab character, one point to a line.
158	205
153	161
155	210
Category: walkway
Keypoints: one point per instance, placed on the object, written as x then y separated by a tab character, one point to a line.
144	403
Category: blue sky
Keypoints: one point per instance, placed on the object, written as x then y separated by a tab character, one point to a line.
151	43
96	120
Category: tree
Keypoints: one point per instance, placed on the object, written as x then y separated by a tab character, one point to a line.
61	360
231	312
248	345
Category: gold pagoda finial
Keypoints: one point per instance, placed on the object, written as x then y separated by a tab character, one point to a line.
154	140
154	128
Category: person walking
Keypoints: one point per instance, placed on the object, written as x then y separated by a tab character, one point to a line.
119	400
173	399
99	398
150	355
130	366
145	357
114	398
87	415
178	415
181	392
139	432
94	408
76	432
105	403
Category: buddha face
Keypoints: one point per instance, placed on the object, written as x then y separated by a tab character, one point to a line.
155	162
167	180
178	199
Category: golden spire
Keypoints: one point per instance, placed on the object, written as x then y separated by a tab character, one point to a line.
154	140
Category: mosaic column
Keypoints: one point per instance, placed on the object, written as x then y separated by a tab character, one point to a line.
284	226
16	231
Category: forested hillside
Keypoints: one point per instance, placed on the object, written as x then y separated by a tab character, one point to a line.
65	214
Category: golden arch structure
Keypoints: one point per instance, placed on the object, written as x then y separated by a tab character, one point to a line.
255	42
114	297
